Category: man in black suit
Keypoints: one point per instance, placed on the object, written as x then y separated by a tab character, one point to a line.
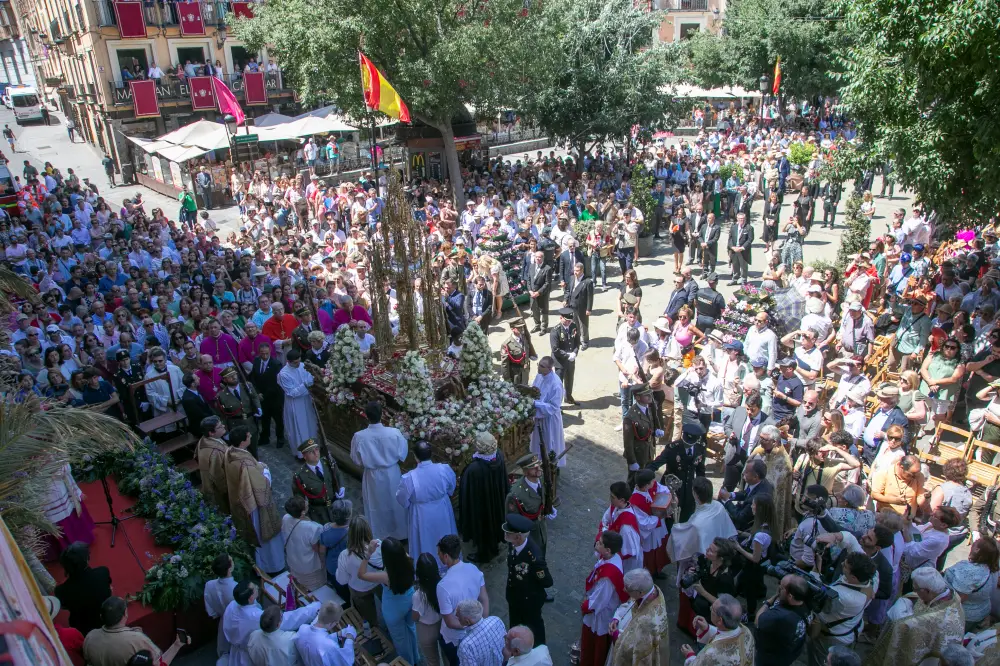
195	406
567	260
739	505
708	241
135	407
742	427
695	222
565	343
479	304
264	377
580	299
539	279
527	576
685	459
742	201
740	241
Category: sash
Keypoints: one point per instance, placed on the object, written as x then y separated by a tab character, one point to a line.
612	572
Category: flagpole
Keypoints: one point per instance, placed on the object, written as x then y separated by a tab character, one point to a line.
373	144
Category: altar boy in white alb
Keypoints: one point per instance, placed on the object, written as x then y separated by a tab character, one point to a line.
242	618
379	450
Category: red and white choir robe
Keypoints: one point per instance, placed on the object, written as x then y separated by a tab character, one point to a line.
63	507
652	529
624	522
605	592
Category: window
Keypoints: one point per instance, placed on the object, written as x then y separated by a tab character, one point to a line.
24	101
688	29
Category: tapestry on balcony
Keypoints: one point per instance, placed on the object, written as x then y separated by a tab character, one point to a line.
131	22
254	88
189	15
144	99
202	94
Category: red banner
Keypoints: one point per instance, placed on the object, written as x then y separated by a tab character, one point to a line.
131	22
254	88
144	99
189	15
243	9
202	94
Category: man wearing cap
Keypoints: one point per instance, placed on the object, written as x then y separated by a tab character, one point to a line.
685	459
134	404
238	405
640	430
317	482
527	576
899	276
580	299
538	277
279	326
856	334
564	340
888	414
515	362
911	336
307	324
788	390
527	498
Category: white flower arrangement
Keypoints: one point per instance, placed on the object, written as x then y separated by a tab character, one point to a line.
342	396
346	363
477	358
414	390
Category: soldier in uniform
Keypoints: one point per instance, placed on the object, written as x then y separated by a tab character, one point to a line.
316	482
129	373
709	305
526	498
515	361
238	406
565	342
306	326
640	429
685	459
527	577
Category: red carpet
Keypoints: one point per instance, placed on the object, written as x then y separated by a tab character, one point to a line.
127	577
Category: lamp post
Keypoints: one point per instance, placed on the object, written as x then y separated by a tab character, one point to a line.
764	84
229	122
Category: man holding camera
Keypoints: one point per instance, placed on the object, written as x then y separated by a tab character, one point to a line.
739	505
781	623
788	390
742	427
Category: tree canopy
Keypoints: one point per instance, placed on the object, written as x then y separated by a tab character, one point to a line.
923	84
804	33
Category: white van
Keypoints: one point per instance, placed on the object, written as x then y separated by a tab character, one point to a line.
26	103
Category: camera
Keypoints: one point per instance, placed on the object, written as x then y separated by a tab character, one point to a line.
775	374
820	597
813	504
701	570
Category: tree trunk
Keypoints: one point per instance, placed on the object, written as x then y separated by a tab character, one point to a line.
454	168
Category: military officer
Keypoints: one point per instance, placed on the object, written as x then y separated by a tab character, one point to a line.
526	497
640	430
515	362
565	342
306	326
316	482
685	459
527	576
238	405
133	405
709	305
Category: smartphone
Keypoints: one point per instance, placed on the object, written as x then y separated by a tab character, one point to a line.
183	637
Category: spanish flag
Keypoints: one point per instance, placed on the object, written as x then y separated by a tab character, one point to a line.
777	76
379	94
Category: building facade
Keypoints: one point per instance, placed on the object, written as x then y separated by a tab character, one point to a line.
86	54
15	58
683	17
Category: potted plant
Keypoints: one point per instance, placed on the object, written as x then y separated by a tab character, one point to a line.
643	184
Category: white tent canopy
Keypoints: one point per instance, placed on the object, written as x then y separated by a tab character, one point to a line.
685	91
271	119
203	133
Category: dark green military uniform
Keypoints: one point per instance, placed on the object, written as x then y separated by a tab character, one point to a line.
639	433
526	501
239	410
527	578
515	364
319	493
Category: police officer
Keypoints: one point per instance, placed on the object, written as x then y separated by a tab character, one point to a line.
709	305
564	340
685	459
527	576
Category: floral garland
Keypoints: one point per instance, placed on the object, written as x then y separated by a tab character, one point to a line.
477	358
177	516
414	391
346	363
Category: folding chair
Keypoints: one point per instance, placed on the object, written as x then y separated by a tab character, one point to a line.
948	450
982	473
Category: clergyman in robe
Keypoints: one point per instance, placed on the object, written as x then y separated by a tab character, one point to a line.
379	450
548	412
299	412
211	454
425	492
254	515
482	499
779	473
643	636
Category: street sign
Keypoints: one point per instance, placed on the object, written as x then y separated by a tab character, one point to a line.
244	138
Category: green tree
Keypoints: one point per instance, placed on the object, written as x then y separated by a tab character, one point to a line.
606	74
857	237
805	33
923	83
439	55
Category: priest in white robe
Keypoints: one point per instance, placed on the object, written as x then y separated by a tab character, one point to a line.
548	414
271	645
379	450
159	393
425	492
299	412
693	537
242	618
218	595
319	644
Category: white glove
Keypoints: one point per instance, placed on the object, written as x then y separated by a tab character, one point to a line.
571	356
143	406
634	467
552	516
259	413
659	433
349	632
341	492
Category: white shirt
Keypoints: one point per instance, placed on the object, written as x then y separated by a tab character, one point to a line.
926	551
347	569
318	647
460	583
539	656
274	649
759	343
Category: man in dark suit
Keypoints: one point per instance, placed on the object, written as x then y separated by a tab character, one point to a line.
479	304
539	279
678	299
580	299
685	459
264	377
742	427
565	343
739	505
133	406
830	193
567	260
695	223
195	405
742	201
454	307
527	576
740	241
708	241
784	170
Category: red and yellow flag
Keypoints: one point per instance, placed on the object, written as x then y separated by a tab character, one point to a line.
777	76
379	94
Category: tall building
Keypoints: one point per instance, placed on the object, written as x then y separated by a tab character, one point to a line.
683	17
140	67
15	58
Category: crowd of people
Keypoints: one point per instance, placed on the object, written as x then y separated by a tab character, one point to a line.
820	490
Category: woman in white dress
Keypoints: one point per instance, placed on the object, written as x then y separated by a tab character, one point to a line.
304	554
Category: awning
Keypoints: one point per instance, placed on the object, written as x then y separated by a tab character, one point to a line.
467	142
181	153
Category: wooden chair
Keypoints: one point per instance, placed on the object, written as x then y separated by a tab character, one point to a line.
273	588
947	450
371	649
323	594
181	439
982	473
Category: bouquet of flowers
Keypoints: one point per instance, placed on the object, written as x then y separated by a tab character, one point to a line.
477	357
413	387
342	397
346	363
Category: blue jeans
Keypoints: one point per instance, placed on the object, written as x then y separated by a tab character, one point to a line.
625	258
626	398
597	261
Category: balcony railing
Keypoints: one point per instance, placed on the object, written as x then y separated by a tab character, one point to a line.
684	5
160	14
173	89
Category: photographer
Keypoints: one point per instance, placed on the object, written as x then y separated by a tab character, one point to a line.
871	544
813	525
788	390
842	621
713	576
781	623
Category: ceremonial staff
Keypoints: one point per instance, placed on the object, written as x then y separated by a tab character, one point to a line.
324	450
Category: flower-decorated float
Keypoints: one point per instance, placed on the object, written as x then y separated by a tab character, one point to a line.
426	394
